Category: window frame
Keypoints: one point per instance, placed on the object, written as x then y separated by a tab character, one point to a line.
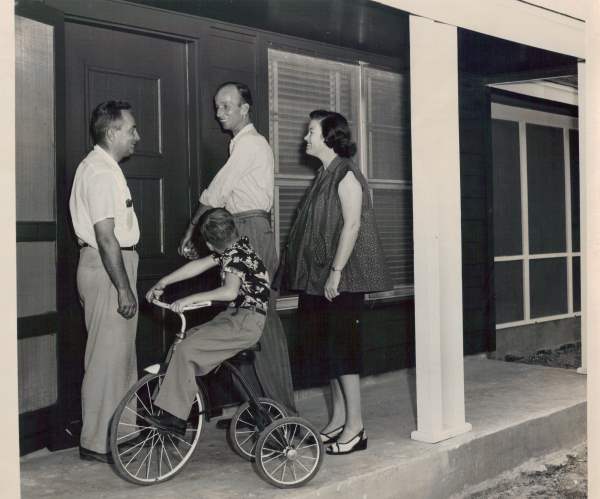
360	68
523	117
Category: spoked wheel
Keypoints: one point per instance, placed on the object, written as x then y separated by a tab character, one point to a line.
143	454
289	453
243	432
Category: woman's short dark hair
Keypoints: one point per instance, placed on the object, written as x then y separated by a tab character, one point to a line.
336	132
217	227
104	117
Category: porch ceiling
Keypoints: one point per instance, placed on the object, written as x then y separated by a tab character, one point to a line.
359	24
501	60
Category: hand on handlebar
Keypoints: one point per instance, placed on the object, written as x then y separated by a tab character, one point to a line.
180	305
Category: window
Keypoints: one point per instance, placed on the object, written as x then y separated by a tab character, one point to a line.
375	102
536	216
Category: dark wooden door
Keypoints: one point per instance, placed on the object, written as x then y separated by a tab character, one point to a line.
151	73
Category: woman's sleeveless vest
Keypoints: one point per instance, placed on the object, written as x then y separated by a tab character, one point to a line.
314	238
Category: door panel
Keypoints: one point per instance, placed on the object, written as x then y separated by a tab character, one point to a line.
150	72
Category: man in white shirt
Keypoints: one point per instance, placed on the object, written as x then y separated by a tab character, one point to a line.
107	230
244	186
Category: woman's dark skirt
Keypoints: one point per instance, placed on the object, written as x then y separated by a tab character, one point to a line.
331	333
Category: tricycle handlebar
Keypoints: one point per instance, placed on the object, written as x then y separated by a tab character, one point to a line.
193	306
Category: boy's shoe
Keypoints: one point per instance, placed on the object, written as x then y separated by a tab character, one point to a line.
224	423
168	422
90	455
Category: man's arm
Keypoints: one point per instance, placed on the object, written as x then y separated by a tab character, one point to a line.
187	271
227	292
240	162
185	248
110	253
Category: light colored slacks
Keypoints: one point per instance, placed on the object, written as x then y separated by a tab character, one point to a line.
203	349
110	359
272	362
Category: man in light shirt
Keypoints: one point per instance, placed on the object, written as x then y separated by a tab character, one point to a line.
244	186
107	230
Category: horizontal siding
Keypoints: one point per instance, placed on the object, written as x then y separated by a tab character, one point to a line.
36	276
387	343
37	372
474	128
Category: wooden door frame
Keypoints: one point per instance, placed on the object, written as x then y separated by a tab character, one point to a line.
36	428
138	20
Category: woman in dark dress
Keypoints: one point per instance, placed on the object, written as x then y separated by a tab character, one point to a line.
334	256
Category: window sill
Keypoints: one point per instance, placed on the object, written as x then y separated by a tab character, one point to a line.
396	294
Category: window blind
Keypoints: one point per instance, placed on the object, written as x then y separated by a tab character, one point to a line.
298	84
387	125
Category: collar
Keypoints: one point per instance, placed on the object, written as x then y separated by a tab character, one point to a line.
107	156
242	241
247	129
331	167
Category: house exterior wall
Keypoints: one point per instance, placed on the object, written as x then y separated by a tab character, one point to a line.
535	229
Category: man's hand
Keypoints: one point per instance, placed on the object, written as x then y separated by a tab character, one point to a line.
155	292
112	259
186	248
127	303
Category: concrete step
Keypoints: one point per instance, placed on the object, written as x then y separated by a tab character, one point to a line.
518	412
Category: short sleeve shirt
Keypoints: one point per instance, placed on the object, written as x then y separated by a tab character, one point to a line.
241	260
99	192
246	181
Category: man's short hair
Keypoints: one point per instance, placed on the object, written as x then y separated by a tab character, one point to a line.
104	117
242	89
217	227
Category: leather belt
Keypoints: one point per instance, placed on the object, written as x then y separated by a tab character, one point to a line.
123	248
251	308
243	215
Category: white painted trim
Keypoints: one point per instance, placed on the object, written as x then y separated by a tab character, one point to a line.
540	256
568	228
275	212
434	112
287	303
541	89
524	217
363	143
537	320
9	453
572	8
397	292
512	20
291	302
513	113
583	215
523	117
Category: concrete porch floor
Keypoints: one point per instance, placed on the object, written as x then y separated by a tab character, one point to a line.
517	411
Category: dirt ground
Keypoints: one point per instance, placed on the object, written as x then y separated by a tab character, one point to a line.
556	476
566	478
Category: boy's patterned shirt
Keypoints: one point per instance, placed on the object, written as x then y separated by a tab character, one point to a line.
241	260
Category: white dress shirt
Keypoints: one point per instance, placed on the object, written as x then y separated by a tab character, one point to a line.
246	181
100	191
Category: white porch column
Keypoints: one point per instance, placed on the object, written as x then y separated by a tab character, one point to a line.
590	243
437	231
583	219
